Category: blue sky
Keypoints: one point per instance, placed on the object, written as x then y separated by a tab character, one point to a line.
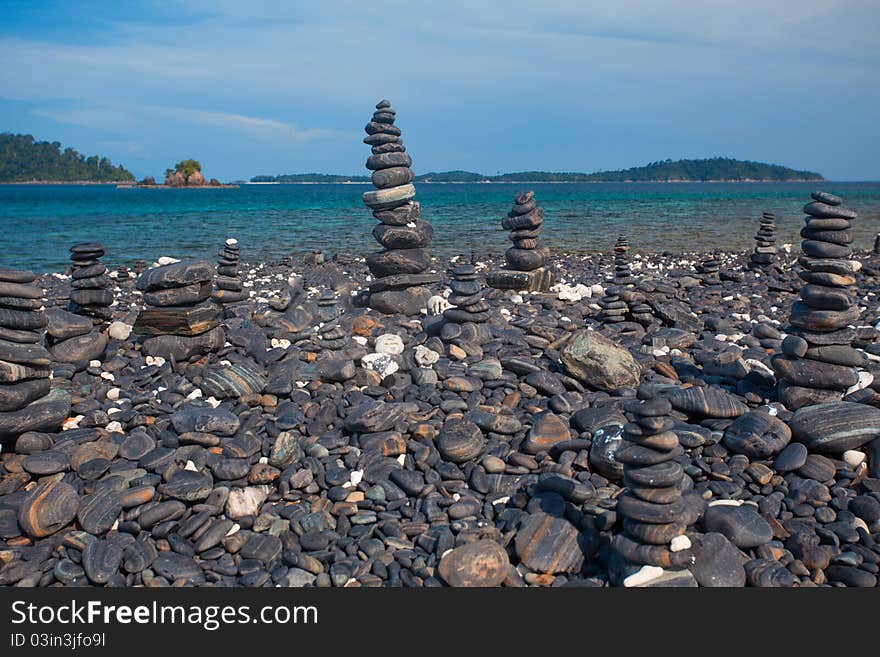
281	87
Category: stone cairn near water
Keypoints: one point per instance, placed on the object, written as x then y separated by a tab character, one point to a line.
399	269
764	255
527	258
470	310
27	401
180	320
622	301
653	511
230	287
91	294
72	337
818	363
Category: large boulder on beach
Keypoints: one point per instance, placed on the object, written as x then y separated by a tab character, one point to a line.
599	362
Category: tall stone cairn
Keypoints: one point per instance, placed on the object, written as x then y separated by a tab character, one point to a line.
27	400
91	294
526	259
230	287
180	320
400	284
764	254
653	512
818	362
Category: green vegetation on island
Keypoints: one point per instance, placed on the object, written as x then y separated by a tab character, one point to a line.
22	159
714	169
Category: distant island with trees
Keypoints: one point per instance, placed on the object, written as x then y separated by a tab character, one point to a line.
716	169
24	160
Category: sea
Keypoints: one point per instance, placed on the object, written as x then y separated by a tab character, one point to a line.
38	223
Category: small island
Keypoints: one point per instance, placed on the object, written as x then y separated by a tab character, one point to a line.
23	160
716	169
186	174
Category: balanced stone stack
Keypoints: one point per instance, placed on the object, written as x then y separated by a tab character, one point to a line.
469	306
818	362
764	255
180	320
622	270
527	258
399	269
91	294
653	511
27	401
230	287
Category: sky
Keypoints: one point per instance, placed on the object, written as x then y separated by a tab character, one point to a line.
259	87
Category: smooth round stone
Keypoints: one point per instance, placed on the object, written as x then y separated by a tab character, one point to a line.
811	232
657	495
179	296
757	434
407	301
187	486
742	525
63	325
653	533
835	427
648	408
398	261
717	562
818	468
654	555
46	463
850	576
373	416
814	373
48	508
768	574
826	298
173	566
794	346
392	178
528	221
460	441
179	274
826	197
547	430
218	421
803	316
101	559
837	354
524	259
549	544
794	397
80	350
388	161
634	508
819	209
638	456
404	237
816	249
16	275
665	441
571	489
661	475
480	564
709	401
385	199
98	511
399	216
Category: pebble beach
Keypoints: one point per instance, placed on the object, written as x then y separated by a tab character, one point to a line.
399	419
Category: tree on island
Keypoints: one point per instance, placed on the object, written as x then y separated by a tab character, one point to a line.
187	173
23	159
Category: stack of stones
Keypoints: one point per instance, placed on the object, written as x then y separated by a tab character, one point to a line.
467	299
527	257
708	269
230	288
819	362
180	320
91	294
399	269
622	271
653	511
764	255
27	402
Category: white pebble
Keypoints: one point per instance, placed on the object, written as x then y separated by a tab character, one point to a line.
679	543
853	457
94	363
114	427
113	394
107	376
389	343
643	575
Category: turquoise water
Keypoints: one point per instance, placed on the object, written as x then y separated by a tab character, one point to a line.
39	223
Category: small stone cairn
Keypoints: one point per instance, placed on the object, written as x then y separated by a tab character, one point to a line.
401	281
527	258
764	255
230	287
180	320
818	363
27	400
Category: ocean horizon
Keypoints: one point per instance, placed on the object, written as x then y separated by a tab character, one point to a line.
274	220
